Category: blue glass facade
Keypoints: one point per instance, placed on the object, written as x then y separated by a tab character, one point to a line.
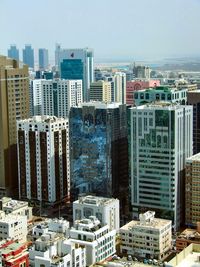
99	151
28	56
72	69
13	52
90	152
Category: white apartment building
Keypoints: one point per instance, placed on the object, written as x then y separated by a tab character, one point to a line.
161	138
52	225
149	237
98	240
43	158
13	227
119	79
105	209
51	250
11	206
54	97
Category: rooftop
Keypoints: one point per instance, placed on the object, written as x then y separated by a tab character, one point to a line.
99	105
11	248
44	119
155	223
160	105
95	201
13	204
195	157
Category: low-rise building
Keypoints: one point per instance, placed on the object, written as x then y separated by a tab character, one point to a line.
8	205
189	257
97	239
187	237
13	227
105	209
149	237
54	250
14	254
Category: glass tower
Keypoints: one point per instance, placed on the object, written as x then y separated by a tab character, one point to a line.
13	52
99	149
28	56
160	140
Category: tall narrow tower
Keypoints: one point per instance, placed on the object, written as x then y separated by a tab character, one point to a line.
14	105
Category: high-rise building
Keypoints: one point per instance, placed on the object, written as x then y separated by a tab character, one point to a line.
14	105
28	56
54	97
98	143
58	52
43	58
192	188
13	52
120	87
77	64
193	98
43	159
100	91
160	138
141	72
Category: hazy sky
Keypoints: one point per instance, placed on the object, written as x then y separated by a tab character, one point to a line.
114	28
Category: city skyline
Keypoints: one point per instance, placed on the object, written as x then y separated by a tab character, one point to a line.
144	29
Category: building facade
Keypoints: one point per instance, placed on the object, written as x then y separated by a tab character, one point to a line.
192	187
13	52
98	146
119	79
149	237
105	209
54	97
98	240
161	93
14	105
136	85
77	64
193	98
43	159
160	140
43	58
28	56
100	91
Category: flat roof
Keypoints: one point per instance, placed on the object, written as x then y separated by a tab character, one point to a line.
192	260
95	200
154	224
101	105
195	157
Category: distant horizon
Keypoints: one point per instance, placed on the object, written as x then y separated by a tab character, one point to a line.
129	30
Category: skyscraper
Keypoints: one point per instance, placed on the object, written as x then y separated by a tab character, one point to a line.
120	87
193	98
54	97
13	52
160	139
43	58
77	64
14	105
43	159
100	91
99	149
192	188
28	56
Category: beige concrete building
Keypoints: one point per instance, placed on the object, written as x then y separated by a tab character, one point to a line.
147	238
14	105
192	189
100	91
